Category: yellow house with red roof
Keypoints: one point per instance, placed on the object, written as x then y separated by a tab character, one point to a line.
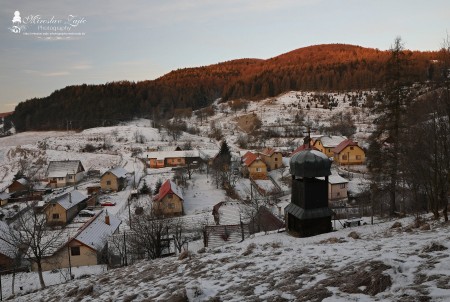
349	153
254	166
169	200
272	158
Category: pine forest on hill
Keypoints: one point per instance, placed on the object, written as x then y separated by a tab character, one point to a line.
332	67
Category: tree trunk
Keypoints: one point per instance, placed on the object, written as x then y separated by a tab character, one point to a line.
41	277
444	212
392	195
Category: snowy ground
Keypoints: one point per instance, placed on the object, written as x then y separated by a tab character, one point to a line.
381	264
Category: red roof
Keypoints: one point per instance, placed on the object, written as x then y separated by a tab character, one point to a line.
5	114
168	187
348	142
303	147
249	158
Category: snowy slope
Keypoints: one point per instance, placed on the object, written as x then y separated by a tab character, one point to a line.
384	264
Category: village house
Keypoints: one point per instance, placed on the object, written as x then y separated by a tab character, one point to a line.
114	179
337	188
20	185
272	158
62	209
169	200
64	173
253	166
86	247
327	143
161	159
349	153
4	198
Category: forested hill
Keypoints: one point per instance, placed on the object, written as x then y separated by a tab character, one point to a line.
320	67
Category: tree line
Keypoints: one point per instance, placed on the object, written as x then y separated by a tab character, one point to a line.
322	67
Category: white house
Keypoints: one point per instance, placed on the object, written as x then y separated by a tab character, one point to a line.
64	173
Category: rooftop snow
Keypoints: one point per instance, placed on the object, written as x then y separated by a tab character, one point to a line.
70	199
62	168
96	232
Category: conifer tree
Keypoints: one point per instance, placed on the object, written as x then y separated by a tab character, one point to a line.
385	148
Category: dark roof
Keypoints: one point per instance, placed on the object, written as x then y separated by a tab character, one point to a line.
310	163
301	214
303	147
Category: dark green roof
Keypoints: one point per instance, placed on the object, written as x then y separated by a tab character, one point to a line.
303	214
310	163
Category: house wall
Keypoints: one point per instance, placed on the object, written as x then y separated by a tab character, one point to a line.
337	191
273	162
6	263
109	177
57	182
73	179
175	161
169	206
56	209
61	258
351	155
253	170
328	151
155	163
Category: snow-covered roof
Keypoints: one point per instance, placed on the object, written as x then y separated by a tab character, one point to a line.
4	196
331	141
336	179
62	168
265	184
119	172
161	155
96	232
208	154
70	199
22	181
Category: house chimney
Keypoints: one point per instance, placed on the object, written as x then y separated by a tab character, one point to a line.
107	218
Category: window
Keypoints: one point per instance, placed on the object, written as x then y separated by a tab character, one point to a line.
276	158
179	160
70	176
60	178
55	216
342	186
276	166
344	157
170	196
351	148
75	251
108	182
358	157
258	169
338	194
171	206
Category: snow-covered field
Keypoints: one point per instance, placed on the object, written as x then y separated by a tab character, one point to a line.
367	263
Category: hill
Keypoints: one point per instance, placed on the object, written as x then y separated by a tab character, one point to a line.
320	67
368	263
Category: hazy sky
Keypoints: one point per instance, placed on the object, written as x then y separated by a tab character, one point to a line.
144	39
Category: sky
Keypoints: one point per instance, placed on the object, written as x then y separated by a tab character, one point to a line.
139	40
